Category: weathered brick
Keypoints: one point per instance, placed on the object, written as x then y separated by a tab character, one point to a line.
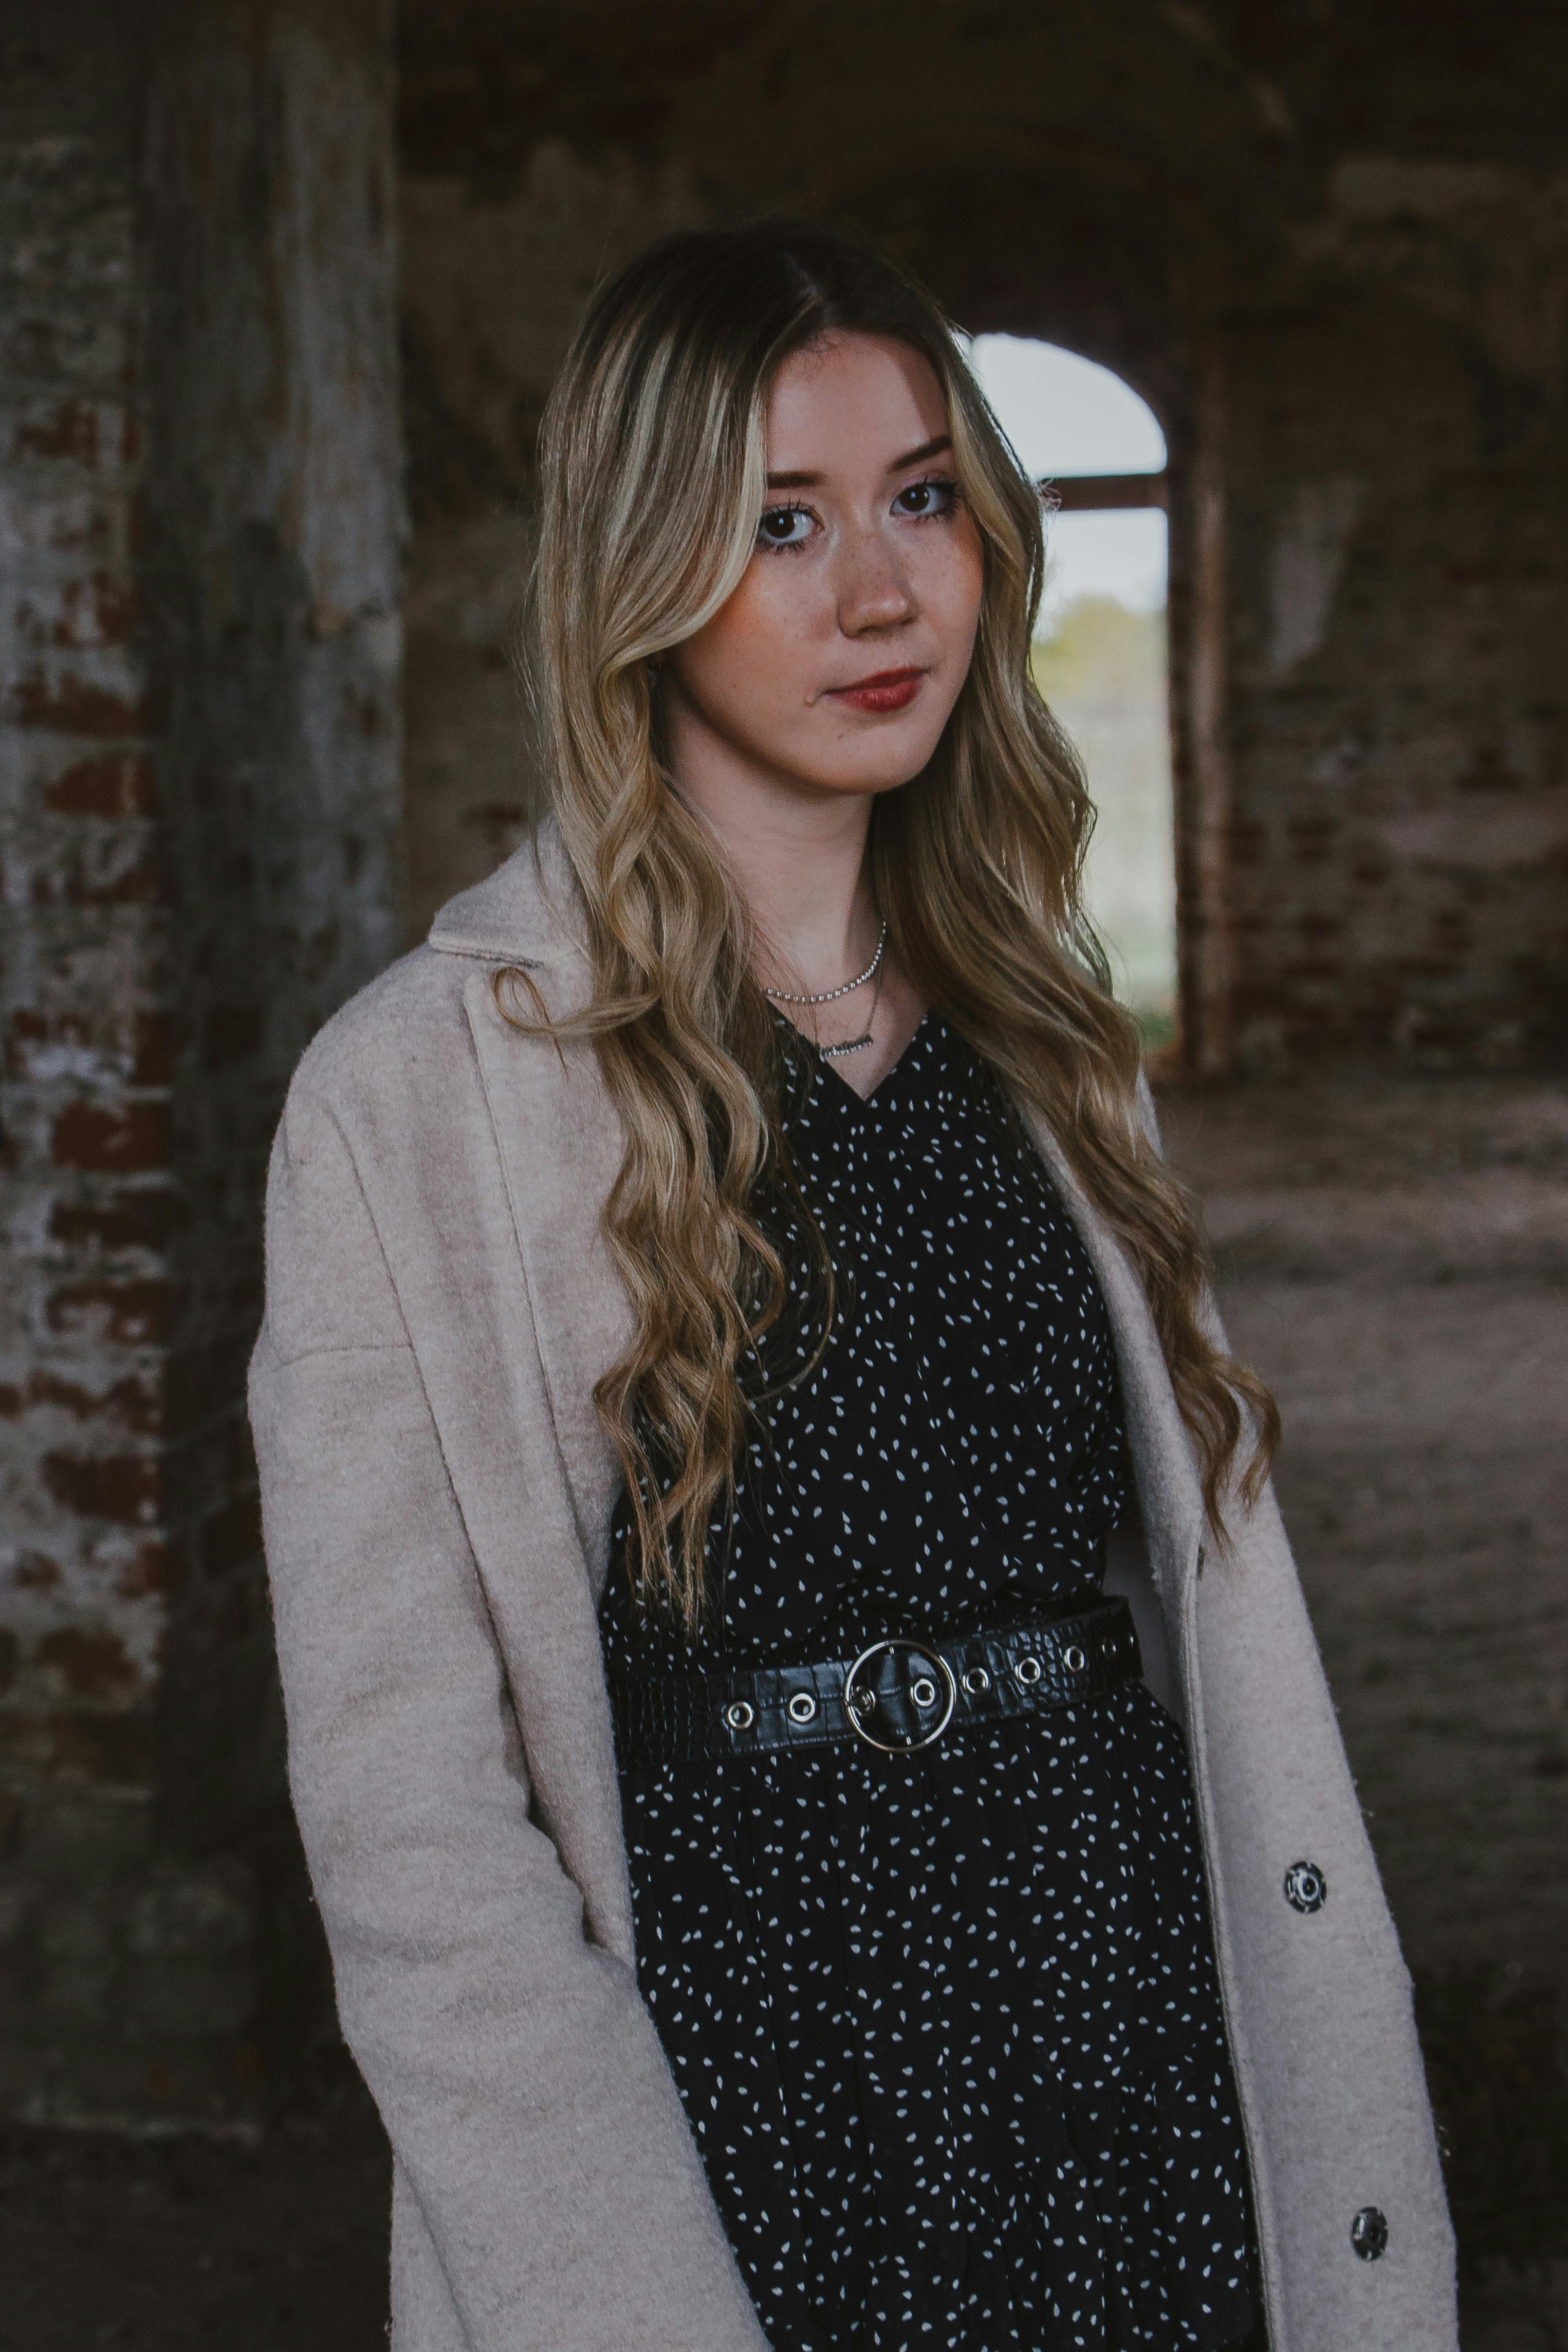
89	1664
133	880
124	1488
103	1747
74	706
133	1403
132	1314
114	1141
112	785
125	1219
149	1569
70	429
34	1571
100	609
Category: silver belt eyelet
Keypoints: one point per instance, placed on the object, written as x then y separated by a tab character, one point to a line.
859	1701
1028	1670
1074	1659
802	1707
976	1681
739	1715
923	1693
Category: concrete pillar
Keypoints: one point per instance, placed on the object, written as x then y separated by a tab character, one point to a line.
199	797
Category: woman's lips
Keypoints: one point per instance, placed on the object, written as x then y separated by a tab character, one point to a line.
890	690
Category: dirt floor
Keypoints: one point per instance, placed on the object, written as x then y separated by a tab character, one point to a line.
1393	1256
1395	1259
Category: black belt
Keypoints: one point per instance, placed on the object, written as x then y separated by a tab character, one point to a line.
899	1694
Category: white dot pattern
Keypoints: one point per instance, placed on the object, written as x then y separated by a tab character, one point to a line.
945	2026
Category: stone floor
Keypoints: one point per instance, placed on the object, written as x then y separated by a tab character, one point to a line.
1393	1256
1395	1262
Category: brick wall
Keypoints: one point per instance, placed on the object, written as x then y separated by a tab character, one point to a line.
87	1206
198	771
1399	498
1331	253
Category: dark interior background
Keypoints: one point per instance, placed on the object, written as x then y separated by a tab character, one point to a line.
283	286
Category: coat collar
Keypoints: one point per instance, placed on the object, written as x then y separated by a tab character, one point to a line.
559	1143
528	912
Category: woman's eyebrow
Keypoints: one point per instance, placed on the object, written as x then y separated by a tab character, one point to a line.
943	441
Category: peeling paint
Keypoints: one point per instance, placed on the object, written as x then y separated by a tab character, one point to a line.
1308	558
1485	836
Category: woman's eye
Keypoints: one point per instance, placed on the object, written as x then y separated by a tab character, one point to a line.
930	497
785	527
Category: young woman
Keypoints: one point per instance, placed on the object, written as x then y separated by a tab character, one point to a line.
735	1373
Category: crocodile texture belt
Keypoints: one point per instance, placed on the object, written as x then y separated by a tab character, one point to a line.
899	1694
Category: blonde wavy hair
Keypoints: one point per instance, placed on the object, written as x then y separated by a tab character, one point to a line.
652	465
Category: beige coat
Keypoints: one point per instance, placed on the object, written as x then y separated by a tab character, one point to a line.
437	1494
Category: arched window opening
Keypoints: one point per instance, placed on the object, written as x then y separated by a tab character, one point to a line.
1101	654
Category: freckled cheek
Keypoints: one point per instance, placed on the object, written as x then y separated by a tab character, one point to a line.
761	648
952	599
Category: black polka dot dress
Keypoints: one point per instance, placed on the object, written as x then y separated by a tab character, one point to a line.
946	2025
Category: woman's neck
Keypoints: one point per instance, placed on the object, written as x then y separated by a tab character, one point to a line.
799	860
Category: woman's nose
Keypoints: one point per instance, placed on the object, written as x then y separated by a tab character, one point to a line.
873	590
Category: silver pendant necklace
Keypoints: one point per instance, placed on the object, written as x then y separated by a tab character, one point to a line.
854	1044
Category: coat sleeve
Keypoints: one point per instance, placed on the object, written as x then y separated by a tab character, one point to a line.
516	2070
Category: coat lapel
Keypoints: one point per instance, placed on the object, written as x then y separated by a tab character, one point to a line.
560	1144
1170	1495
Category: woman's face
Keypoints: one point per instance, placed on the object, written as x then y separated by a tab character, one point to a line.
834	666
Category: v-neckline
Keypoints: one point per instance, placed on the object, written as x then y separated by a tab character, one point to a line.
831	1065
814	1061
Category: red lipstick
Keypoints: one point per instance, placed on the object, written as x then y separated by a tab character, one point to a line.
889	689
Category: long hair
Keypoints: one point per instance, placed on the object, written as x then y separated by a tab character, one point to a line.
653	479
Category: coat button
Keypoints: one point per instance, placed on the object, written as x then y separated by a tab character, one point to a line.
1306	1889
1369	2233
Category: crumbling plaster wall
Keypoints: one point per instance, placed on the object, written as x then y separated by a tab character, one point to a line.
199	525
1332	256
1400	614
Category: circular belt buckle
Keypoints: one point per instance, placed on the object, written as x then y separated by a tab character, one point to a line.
859	1701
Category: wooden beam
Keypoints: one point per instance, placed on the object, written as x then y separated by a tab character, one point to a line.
1093	493
1206	942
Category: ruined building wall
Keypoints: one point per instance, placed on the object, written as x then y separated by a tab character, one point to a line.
1329	252
198	808
89	1209
1398	493
1334	257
